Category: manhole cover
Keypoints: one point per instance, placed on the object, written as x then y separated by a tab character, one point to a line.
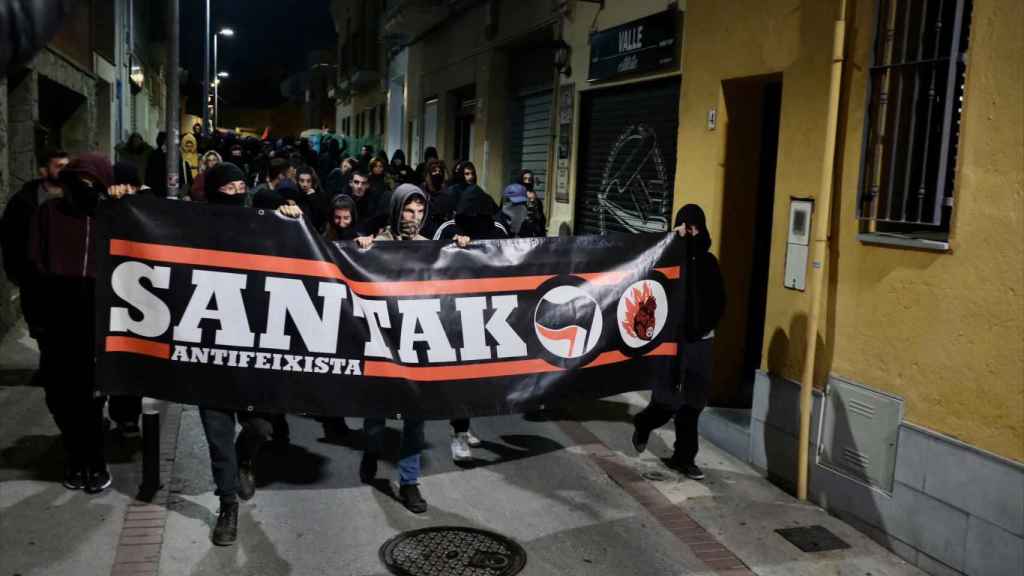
813	538
452	551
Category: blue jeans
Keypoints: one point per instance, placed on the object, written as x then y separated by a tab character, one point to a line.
408	453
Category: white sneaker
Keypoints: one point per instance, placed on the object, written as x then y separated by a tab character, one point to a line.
460	447
473	440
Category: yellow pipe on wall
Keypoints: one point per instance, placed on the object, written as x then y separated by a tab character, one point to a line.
822	219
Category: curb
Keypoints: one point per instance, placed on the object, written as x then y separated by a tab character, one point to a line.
708	549
142	533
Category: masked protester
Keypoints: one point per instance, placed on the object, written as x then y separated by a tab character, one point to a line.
475	218
401	173
365	155
408	212
704	302
442	201
16	229
233	461
61	251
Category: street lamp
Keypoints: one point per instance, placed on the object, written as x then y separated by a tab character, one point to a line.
227	33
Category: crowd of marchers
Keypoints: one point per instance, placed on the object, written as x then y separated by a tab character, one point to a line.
48	234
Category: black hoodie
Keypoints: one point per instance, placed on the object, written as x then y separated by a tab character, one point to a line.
703	286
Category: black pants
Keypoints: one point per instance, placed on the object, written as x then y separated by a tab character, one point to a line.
683	399
125	408
66	374
460	425
225	451
657	415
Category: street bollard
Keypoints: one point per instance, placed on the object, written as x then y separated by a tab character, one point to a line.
150	455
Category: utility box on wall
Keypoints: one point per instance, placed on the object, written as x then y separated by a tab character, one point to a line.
797	243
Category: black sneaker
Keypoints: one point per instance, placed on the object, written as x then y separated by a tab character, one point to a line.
688	469
97	480
226	531
640	439
412	499
129	430
246	480
74	477
368	468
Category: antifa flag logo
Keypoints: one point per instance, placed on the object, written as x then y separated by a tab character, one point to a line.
568	322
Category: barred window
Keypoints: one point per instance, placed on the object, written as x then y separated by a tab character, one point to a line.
916	94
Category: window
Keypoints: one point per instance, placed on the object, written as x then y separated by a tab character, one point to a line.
916	93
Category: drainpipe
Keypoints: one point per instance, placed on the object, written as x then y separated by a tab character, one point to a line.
820	249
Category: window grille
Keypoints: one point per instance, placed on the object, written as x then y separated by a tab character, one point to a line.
916	93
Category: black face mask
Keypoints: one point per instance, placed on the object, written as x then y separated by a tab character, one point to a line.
528	185
223	199
437	180
83	197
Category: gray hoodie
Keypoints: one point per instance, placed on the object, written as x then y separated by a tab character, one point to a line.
399	199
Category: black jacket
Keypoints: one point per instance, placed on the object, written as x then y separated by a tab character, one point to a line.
701	282
15	232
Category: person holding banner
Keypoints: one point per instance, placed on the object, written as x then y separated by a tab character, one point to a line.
63	232
704	303
407	217
232	462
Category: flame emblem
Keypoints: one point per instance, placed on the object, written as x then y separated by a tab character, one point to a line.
641	307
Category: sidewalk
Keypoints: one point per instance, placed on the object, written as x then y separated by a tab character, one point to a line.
569	489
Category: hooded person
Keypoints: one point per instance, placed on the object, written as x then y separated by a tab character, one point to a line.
409	210
401	173
342	222
190	153
703	293
61	251
475	219
442	201
232	460
513	207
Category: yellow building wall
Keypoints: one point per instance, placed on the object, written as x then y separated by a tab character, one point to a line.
945	331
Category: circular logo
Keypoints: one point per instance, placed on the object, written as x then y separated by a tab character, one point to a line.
568	322
642	313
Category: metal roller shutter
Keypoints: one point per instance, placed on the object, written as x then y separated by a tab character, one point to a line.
530	130
627	158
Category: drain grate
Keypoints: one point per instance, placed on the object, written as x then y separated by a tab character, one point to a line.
813	538
452	551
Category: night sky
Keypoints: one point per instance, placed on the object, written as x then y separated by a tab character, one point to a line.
272	39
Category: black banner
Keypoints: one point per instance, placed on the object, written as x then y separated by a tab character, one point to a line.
250	310
643	45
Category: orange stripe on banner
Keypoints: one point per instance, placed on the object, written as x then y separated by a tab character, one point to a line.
670	273
382	369
138	346
465	372
322	269
318	269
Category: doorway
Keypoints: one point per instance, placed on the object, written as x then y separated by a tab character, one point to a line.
753	112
